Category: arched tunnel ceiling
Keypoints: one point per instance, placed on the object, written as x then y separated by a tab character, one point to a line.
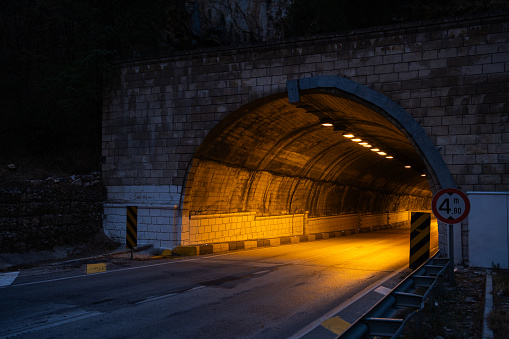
286	139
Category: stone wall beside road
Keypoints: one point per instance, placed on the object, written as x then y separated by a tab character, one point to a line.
42	214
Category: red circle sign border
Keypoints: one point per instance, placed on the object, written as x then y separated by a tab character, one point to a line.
450	190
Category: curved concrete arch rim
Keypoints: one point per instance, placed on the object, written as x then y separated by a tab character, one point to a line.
390	107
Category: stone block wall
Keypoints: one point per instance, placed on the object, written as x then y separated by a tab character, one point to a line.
450	75
240	226
39	215
157	220
333	223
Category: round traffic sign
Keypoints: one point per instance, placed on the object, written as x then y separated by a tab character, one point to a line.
450	205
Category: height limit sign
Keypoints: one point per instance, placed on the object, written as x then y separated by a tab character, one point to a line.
450	206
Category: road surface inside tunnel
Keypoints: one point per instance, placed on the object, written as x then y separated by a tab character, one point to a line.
270	292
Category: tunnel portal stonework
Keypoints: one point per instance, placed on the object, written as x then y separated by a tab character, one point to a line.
209	147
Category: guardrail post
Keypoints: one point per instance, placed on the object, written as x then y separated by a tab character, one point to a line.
418	324
431	299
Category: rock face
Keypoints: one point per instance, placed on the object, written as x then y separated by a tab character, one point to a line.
236	21
205	23
42	214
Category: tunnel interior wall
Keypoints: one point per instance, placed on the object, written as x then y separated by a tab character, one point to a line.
228	227
219	188
226	203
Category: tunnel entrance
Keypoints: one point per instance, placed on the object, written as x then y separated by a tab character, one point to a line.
329	155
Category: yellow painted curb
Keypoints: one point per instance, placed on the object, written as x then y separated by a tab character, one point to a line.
95	268
164	254
167	253
336	325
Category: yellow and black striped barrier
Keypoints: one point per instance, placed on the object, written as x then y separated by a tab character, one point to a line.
131	239
419	239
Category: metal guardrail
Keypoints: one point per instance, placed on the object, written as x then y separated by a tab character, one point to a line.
378	320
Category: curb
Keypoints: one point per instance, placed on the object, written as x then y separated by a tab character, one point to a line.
221	247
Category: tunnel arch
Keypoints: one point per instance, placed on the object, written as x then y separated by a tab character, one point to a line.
381	104
272	157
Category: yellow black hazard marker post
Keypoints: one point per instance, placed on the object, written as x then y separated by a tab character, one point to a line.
131	240
419	239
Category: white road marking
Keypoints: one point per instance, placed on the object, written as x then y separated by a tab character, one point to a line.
261	272
53	321
106	272
383	290
7	278
149	299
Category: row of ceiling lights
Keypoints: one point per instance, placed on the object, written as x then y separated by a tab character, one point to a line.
330	123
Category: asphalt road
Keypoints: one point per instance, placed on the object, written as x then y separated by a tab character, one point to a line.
270	292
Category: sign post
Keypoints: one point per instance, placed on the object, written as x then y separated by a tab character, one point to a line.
450	206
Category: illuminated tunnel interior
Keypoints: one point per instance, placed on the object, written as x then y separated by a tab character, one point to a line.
273	157
326	155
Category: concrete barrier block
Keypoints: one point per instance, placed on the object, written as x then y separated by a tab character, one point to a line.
285	240
274	242
263	242
187	250
250	243
221	247
236	245
206	249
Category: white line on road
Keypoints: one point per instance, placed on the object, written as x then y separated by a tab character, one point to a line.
176	261
168	295
261	272
383	290
149	299
52	322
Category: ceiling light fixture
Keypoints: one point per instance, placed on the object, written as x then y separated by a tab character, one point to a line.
327	122
348	135
367	145
408	166
375	150
382	153
389	157
356	139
